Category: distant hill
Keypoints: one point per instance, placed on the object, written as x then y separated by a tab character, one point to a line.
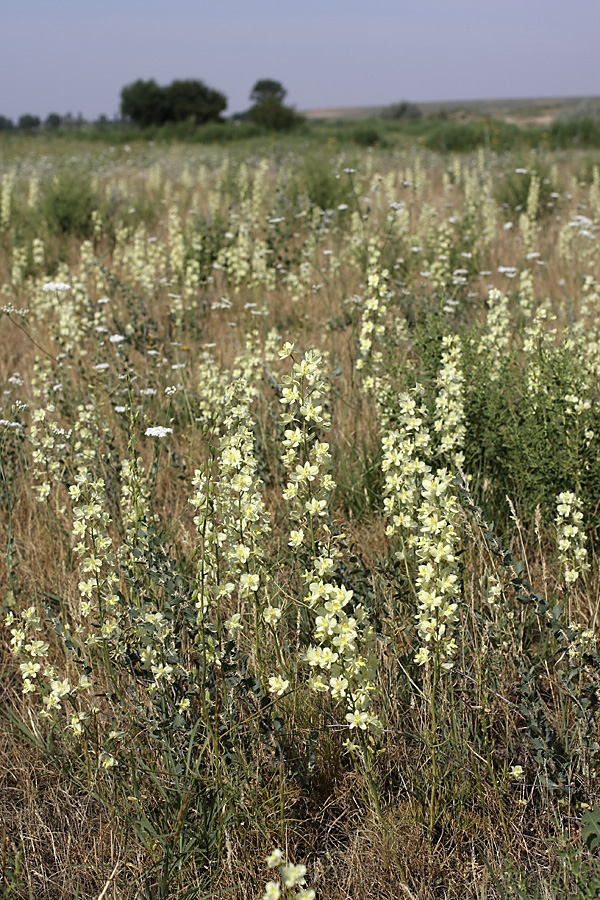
522	111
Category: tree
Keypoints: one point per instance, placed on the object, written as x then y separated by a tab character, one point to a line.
52	121
145	103
28	122
272	114
268	110
6	124
403	110
193	101
267	89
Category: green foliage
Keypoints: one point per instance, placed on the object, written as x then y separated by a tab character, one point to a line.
270	113
193	101
325	188
366	135
146	103
6	124
512	189
52	121
68	204
403	110
526	445
267	89
28	122
583	133
462	137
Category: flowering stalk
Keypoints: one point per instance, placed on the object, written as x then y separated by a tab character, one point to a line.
341	653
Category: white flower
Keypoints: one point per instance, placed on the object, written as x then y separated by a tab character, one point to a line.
292	875
57	286
117	338
275	859
278	685
158	431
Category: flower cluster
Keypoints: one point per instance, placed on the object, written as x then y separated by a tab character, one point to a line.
495	342
449	422
572	551
342	652
374	312
232	522
291	877
404	449
438	581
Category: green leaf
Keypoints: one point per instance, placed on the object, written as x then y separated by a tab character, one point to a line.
590	831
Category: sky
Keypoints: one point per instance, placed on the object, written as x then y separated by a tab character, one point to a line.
75	55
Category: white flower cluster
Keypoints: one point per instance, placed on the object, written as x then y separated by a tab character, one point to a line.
421	508
571	536
495	342
232	521
583	641
438	584
449	421
38	675
49	442
136	500
403	450
291	877
342	653
374	312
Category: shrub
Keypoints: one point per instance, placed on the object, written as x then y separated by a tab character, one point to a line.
366	136
403	110
513	188
68	205
270	113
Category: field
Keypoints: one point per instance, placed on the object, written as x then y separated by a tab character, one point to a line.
300	486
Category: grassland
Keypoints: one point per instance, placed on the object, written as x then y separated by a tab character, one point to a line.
300	482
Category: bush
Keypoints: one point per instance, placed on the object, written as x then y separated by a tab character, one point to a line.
463	137
28	122
579	132
324	189
366	136
512	190
270	113
402	110
68	205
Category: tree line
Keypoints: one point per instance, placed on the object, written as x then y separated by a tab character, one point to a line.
148	104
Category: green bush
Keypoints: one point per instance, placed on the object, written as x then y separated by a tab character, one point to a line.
366	136
271	114
575	132
68	204
513	188
463	137
324	187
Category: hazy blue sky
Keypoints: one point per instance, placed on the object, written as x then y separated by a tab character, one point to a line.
76	55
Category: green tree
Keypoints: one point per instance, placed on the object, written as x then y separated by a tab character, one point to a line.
403	110
193	101
145	103
268	110
27	122
6	124
272	114
52	121
267	89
